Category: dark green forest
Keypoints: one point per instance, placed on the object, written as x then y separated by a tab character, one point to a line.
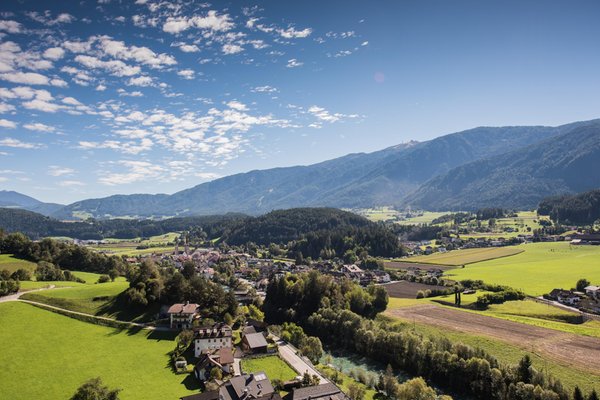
579	209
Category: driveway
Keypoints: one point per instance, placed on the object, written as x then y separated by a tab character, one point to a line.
288	353
15	296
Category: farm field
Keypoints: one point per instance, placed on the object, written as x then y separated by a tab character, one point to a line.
467	256
540	268
507	353
12	263
408	290
526	312
394	265
581	352
129	249
67	352
378	213
426	218
273	366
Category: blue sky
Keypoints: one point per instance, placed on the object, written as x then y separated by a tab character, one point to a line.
105	97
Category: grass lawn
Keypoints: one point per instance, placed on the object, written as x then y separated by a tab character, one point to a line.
346	381
52	360
273	366
510	354
12	263
130	250
540	268
467	256
426	218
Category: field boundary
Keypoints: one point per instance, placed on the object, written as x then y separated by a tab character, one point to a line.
467	263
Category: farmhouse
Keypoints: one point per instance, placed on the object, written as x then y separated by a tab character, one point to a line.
220	358
181	315
212	337
565	296
254	343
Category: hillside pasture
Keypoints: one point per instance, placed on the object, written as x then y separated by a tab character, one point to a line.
12	263
52	361
467	256
538	269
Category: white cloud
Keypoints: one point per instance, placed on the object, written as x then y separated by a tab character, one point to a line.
136	171
28	78
39	127
114	67
54	53
292	33
55	170
124	147
236	105
208	175
365	43
143	55
140	81
100	88
71	101
189	48
230	48
58	82
46	18
15	143
186	73
293	63
69	183
212	22
264	89
10	26
4	123
5	107
323	115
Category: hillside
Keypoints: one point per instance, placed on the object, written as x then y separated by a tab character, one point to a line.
355	180
521	178
14	199
582	208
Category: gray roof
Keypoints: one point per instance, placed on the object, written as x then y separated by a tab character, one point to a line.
256	340
246	387
324	391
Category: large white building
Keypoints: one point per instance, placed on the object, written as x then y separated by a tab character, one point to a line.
212	337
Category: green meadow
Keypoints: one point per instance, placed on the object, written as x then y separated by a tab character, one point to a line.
540	268
12	263
466	256
43	343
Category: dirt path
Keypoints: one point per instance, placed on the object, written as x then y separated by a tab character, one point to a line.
566	348
16	296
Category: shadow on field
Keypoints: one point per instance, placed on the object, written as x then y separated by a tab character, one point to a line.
191	383
162	335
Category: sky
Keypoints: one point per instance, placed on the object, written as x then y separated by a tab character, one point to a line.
110	97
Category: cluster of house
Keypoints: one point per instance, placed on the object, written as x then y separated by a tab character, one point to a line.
214	348
587	300
584	239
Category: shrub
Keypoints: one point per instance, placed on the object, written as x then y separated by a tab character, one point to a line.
104	279
420	294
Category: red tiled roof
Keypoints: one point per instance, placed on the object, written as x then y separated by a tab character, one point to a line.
185	308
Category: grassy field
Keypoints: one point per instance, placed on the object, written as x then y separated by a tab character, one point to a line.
540	268
273	366
12	263
52	361
510	354
426	218
467	256
130	250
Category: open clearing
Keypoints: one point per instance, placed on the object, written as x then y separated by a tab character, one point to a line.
273	366
467	256
540	268
12	263
566	348
50	355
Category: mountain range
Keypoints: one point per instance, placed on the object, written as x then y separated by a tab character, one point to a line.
512	167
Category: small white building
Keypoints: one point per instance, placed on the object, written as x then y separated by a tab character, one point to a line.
592	291
182	315
212	337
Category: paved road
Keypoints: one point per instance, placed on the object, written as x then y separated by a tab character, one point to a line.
15	296
288	353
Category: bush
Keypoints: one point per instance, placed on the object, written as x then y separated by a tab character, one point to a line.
420	294
21	275
104	279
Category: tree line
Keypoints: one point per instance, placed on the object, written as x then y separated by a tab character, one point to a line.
578	209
